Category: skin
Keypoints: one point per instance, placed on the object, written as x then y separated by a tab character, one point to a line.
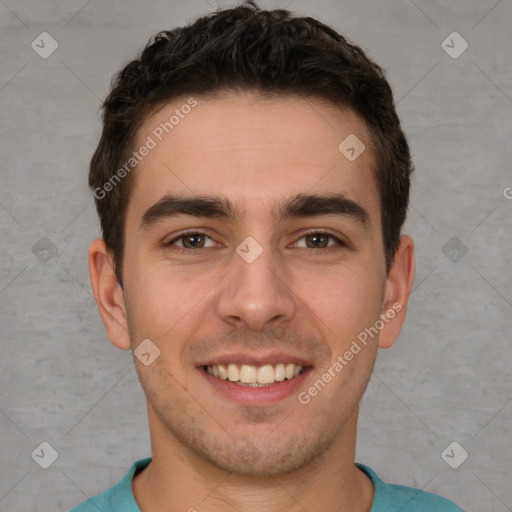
208	452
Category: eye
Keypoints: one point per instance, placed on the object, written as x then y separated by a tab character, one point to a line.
313	240
191	240
320	240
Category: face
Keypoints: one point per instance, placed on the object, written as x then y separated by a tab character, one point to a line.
260	274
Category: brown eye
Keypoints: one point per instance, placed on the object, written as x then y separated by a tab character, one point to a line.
193	241
190	240
320	240
317	241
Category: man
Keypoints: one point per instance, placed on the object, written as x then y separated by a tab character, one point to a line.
252	180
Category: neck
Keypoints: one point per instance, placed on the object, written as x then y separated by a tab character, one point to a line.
178	480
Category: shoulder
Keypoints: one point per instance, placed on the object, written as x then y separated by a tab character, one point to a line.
119	497
390	497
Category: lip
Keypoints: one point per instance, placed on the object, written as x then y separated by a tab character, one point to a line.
240	358
246	395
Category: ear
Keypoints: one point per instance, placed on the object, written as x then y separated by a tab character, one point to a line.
108	294
398	288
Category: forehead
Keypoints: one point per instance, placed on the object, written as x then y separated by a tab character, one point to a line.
253	151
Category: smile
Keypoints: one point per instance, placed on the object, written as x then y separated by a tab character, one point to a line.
254	376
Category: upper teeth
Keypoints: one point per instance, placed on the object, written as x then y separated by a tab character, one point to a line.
249	374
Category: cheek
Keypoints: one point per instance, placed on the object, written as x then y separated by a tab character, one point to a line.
164	300
346	299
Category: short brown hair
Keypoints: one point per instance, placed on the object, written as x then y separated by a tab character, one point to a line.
248	49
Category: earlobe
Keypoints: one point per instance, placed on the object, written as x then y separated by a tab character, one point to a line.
108	294
398	288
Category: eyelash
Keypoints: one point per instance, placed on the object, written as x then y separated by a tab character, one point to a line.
339	243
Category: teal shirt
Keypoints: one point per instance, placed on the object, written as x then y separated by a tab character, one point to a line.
388	498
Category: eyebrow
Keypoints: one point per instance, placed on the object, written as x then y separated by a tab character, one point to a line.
301	205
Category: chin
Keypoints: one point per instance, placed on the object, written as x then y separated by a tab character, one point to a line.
263	458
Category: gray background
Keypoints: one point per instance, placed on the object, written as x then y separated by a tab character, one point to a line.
447	379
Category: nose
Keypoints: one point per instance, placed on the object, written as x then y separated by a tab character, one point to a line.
257	293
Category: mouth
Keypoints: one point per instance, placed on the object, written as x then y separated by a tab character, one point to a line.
252	376
255	385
